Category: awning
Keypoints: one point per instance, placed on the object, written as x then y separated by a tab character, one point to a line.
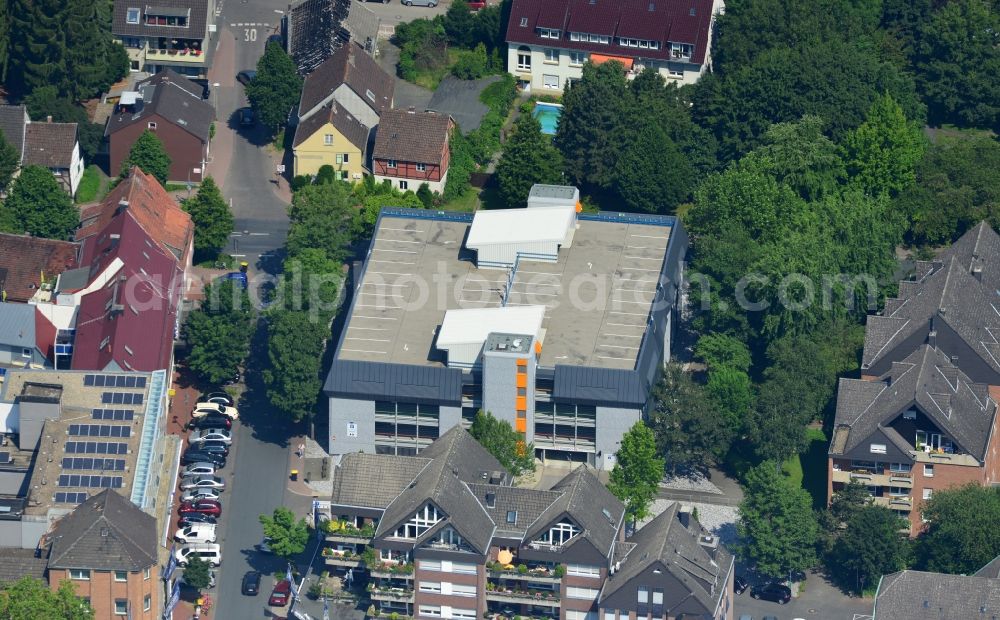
601	58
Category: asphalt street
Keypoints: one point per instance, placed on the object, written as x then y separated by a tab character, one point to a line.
819	600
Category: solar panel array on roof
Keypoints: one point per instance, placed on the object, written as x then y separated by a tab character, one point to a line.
91	482
121	398
99	430
125	381
92	463
118	415
70	498
95	447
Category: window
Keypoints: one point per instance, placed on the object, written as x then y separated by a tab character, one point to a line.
433	565
26	352
928	493
121	607
340	158
560	533
928	471
79	574
421	167
430	586
132	16
577	58
347	157
147	602
464	568
675	72
151	125
877	448
121	575
899	467
328	139
404	185
681	50
344	174
465	614
145	574
552	56
458	589
423	520
583	570
551	81
587	594
548	33
657	596
511	516
524	58
391	164
432	611
898	492
643	596
609	615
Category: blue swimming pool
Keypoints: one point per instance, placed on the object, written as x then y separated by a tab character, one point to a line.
548	115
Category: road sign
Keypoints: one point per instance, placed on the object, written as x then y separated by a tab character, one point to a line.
281	168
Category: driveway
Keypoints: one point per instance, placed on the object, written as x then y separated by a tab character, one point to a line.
405	95
820	600
394	12
460	99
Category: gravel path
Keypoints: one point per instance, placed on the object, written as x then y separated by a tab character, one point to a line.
720	520
692	482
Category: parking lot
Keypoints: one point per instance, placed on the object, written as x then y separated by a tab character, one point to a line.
818	599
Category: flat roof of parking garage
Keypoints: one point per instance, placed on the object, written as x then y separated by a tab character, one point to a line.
597	295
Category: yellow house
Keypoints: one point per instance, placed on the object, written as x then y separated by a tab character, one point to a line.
331	135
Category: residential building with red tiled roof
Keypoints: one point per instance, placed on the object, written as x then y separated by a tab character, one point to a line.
549	41
27	262
153	208
411	148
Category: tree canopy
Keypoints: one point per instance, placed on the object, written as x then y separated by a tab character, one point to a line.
869	547
276	87
504	443
638	470
196	573
776	523
40	207
10	161
295	343
323	217
31	599
219	332
883	152
528	158
149	155
213	221
288	537
963	530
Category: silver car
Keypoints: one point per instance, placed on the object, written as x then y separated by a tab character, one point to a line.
203	482
201	468
429	3
211	434
193	495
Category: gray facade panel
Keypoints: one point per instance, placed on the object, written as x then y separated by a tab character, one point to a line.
598	386
612	423
448	417
10	533
499	391
345	412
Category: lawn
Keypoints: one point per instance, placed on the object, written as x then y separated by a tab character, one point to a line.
93	185
430	78
809	468
468	202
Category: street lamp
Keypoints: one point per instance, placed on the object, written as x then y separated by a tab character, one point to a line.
215	91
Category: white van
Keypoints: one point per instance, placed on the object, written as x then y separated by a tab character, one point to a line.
210	553
196	533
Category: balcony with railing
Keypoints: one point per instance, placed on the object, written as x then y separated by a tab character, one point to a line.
343	558
538	573
519	596
392	593
392	570
342	531
896	502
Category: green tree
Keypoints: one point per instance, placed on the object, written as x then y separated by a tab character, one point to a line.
870	546
276	87
638	471
10	161
962	173
732	394
94	61
295	343
196	573
588	135
504	443
37	45
883	152
653	184
962	532
40	206
473	64
723	351
459	24
528	158
425	195
31	599
957	60
323	217
288	537
776	523
213	221
219	333
325	174
311	281
148	154
690	431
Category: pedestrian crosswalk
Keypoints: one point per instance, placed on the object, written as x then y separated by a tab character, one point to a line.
250	25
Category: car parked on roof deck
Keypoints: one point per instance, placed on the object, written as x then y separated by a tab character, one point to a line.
774	592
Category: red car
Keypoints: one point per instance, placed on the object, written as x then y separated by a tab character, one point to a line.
475	5
202	506
279	595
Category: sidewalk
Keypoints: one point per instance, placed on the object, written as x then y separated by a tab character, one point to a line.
223	73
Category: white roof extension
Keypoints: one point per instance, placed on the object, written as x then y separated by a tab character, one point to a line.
521	226
464	330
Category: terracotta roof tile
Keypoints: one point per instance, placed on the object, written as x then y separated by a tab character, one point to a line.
24	259
50	144
418	137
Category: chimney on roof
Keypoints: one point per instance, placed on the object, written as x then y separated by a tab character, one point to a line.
48	119
411	110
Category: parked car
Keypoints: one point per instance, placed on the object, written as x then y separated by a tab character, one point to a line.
245	77
475	5
202	482
196	517
203	409
204	468
740	585
193	495
196	454
196	533
211	434
221	398
427	3
210	553
280	594
774	592
251	583
212	420
203	506
214	447
246	116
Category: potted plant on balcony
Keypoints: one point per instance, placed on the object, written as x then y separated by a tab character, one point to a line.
184	52
560	570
